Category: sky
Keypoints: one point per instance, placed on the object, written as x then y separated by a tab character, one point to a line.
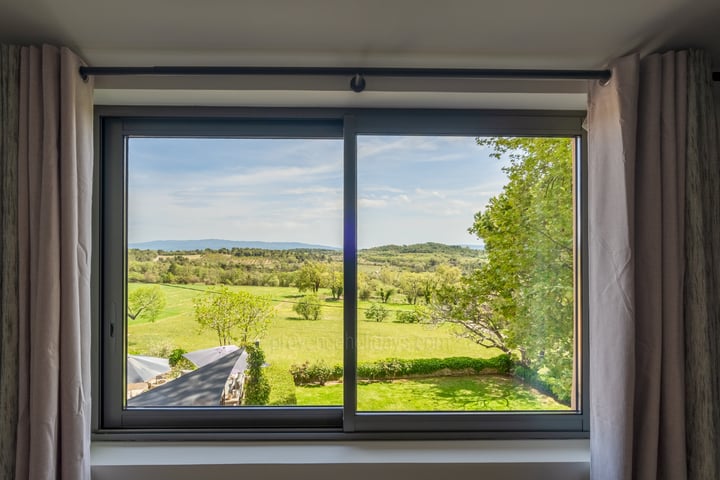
411	189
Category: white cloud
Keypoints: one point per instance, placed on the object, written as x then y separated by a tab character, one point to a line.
311	190
382	188
372	203
430	193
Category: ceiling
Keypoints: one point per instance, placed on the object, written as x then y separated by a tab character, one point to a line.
462	33
581	34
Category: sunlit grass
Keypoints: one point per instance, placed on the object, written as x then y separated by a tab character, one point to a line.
476	393
292	340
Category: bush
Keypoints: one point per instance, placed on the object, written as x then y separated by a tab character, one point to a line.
376	312
544	385
397	368
178	363
309	307
175	356
417	315
283	387
318	372
257	387
161	348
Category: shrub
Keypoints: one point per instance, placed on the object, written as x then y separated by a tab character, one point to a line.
161	348
257	387
309	307
376	312
176	356
417	315
544	385
283	387
318	372
364	293
395	367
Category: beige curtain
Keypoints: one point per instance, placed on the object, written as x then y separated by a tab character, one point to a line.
9	82
54	223
654	201
637	125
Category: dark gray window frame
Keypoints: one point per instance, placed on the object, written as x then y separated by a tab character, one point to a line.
111	421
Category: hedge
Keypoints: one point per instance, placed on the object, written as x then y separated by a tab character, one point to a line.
319	372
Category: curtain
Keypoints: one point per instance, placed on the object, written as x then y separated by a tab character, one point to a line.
654	199
54	238
9	82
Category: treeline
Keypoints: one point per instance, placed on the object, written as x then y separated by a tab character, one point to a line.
236	266
387	274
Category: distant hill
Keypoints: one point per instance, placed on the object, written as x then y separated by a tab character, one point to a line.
216	244
428	247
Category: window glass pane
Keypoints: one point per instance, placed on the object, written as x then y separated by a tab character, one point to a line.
465	274
233	266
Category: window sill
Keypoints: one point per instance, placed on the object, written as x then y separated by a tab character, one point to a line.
507	459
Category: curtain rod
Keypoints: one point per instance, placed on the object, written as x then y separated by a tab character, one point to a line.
357	81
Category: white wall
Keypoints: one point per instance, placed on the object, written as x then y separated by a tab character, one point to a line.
361	460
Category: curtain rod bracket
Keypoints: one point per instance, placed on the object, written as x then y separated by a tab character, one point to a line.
357	83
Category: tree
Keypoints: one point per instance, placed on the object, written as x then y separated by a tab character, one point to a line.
311	276
521	299
364	286
234	316
309	307
145	303
385	293
257	387
411	286
335	282
377	312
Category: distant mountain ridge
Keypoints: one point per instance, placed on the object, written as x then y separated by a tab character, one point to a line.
216	244
426	247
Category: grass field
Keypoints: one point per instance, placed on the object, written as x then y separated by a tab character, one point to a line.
292	340
486	393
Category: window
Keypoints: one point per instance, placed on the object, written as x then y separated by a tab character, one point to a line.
347	273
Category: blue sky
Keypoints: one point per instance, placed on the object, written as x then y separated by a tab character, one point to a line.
410	189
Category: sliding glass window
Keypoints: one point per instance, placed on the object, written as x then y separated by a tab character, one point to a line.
323	272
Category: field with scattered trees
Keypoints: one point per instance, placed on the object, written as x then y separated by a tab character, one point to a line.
439	327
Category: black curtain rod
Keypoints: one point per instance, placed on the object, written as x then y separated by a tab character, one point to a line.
357	82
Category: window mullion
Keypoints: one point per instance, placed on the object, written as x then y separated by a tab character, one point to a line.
350	274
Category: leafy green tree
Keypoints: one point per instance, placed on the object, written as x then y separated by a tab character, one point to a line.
234	316
335	282
446	275
311	276
309	307
377	312
385	293
257	387
521	299
145	303
364	286
411	286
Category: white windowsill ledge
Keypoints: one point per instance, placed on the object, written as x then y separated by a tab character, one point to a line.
362	460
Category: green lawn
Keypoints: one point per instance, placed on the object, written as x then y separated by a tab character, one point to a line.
484	392
292	340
